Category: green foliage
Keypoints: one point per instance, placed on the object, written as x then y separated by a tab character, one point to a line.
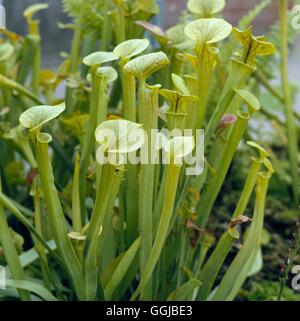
102	229
247	20
88	12
268	291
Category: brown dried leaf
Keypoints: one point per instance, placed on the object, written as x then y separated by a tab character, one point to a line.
241	219
190	224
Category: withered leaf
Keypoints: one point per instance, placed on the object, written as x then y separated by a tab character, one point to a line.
239	220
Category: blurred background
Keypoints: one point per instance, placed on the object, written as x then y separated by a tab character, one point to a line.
56	40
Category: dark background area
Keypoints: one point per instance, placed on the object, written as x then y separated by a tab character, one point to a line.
234	10
56	40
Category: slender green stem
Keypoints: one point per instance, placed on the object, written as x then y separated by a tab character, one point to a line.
101	203
106	30
148	102
129	96
76	216
10	251
102	113
159	202
75	50
89	44
12	85
248	188
28	153
57	219
34	31
119	22
203	248
131	182
121	269
216	180
205	64
88	140
163	228
74	60
192	106
103	101
107	238
91	251
291	123
39	246
213	265
16	209
238	271
291	127
27	52
6	94
36	67
238	75
182	256
176	64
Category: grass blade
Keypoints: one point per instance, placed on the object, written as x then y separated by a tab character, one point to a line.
121	269
184	292
32	287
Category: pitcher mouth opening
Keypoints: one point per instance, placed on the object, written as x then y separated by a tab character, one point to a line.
137	147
